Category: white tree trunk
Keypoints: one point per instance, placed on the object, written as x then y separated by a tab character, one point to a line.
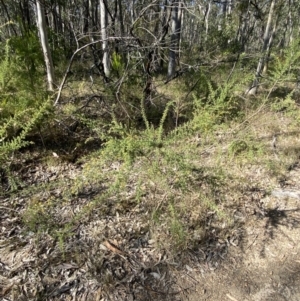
291	27
265	49
205	13
175	37
267	56
41	23
229	8
104	22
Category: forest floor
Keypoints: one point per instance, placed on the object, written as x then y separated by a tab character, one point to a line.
266	265
112	253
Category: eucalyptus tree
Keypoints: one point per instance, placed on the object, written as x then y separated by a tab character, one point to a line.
41	24
152	34
104	24
176	19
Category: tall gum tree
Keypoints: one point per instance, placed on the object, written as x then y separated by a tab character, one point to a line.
42	27
104	24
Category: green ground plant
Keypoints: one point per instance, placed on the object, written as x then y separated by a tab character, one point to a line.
171	173
23	102
160	163
13	136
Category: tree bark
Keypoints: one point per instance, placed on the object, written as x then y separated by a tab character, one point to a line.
9	19
165	17
86	19
175	37
265	50
41	23
104	22
122	30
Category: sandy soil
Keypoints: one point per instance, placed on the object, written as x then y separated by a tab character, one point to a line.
266	263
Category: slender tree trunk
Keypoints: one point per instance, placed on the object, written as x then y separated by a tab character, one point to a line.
122	30
175	37
26	20
229	8
132	13
265	49
242	35
91	17
268	53
85	23
165	16
41	23
206	18
290	26
181	25
96	14
104	22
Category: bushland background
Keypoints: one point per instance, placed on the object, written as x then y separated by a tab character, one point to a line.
149	150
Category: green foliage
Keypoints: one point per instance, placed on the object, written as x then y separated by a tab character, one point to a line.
137	159
5	74
37	216
197	82
27	54
283	72
220	104
169	178
238	146
134	163
59	48
287	105
14	131
23	101
177	229
116	63
21	73
284	67
246	147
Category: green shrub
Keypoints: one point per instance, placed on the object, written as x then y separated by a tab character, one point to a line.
14	131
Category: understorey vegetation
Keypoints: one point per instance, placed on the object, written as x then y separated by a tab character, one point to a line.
126	154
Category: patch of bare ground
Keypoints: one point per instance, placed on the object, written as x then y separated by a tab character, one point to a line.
265	265
56	244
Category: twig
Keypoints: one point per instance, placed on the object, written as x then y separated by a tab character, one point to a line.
231	298
9	209
147	287
252	242
72	59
